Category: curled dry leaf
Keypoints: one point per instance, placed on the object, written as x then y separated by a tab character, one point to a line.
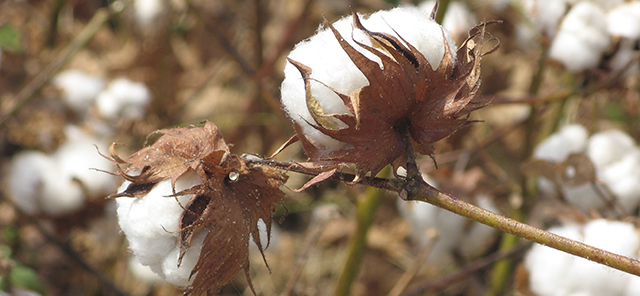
404	96
228	204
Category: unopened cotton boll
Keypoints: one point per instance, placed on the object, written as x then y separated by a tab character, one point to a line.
79	89
582	37
151	225
123	97
554	273
332	66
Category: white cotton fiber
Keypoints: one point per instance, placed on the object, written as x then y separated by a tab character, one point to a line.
332	66
123	98
582	37
557	147
147	11
624	20
151	225
38	185
609	146
78	88
78	157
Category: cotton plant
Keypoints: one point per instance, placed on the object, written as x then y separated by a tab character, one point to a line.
190	207
554	273
123	98
59	183
79	89
614	156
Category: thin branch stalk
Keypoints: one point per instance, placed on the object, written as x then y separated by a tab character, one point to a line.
421	191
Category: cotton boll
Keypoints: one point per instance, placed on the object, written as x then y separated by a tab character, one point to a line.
582	37
151	224
584	196
38	185
553	272
557	147
623	178
548	267
606	147
180	275
79	89
143	272
79	155
624	20
333	67
147	11
548	14
123	98
24	179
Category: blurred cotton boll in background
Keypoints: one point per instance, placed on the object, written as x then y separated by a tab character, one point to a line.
147	11
123	98
59	183
582	37
554	273
614	155
151	224
79	89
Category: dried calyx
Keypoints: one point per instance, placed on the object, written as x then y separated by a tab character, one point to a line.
228	204
407	101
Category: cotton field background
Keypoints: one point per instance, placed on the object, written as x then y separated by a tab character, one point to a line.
556	148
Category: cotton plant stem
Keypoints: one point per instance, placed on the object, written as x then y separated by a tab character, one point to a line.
443	5
366	211
421	191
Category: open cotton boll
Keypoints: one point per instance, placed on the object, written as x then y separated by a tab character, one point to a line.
624	20
78	156
38	185
582	37
125	98
557	147
333	67
458	19
609	146
143	272
554	273
623	178
79	89
151	225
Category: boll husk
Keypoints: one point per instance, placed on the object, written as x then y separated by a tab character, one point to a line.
361	95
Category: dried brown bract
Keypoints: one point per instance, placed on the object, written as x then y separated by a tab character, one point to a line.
228	204
406	100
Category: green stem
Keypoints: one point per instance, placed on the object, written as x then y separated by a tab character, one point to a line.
367	209
443	5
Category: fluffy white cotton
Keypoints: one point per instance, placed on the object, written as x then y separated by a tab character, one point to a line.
147	11
331	65
554	273
614	154
624	20
569	139
581	38
78	157
458	19
455	233
143	272
151	225
123	98
37	184
79	89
